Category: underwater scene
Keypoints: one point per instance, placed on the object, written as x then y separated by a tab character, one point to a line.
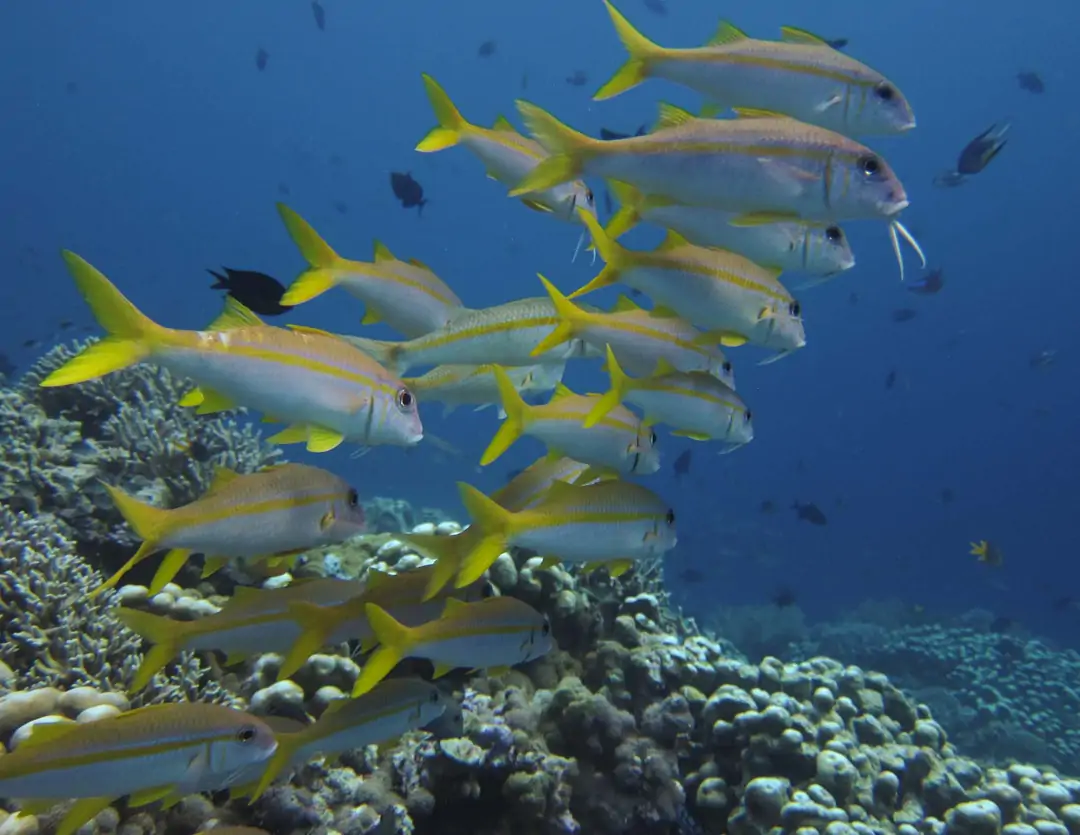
595	417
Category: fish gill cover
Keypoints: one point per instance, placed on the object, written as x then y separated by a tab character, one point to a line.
659	603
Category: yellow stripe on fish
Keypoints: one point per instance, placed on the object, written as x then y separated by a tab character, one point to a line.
528	487
733	299
283	510
406	295
474	385
619	443
327	390
800	75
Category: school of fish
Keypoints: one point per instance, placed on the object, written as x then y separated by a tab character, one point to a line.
744	200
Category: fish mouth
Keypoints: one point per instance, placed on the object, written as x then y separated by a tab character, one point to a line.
894	207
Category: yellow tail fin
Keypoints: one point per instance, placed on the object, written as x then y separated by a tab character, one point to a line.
317	623
493	523
149	523
613	253
318	253
451	122
568	147
288	744
131	336
614	395
448	553
517	412
170	566
629	214
636	69
395	641
571	317
164	633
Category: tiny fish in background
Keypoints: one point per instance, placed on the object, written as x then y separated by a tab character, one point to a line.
342	207
987	552
853	298
947	495
578	78
487	49
784	598
408	191
1030	81
809	512
903	314
255	291
320	15
682	463
767	506
837	43
928	285
890	379
261	57
657	7
977	154
1043	359
608	135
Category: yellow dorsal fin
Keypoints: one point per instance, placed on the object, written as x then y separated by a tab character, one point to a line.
623	304
322	439
416	262
311	331
235	315
222	476
761	219
673	240
376	578
383	253
561	390
452	605
771	270
561	490
793	34
663	312
727	32
757	113
43	732
502	123
192	398
656	201
664	366
672	116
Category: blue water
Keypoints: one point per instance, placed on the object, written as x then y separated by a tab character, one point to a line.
168	157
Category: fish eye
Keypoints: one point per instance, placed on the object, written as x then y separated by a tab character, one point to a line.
727	368
354	497
795	309
746	416
670	518
246	734
435	697
870	166
589	196
652	438
885	91
834	234
488	590
546	628
405	399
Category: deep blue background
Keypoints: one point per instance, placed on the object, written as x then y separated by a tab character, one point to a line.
167	160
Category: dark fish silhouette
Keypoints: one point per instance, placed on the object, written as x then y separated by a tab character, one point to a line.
767	506
903	314
258	292
837	43
784	598
320	15
853	297
947	495
1030	81
577	79
890	379
809	512
342	207
1042	359
283	189
408	191
682	463
656	7
261	57
487	49
929	284
983	148
66	325
610	134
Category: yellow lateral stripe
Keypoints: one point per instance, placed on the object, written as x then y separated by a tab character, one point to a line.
433	341
716	57
586	517
392	276
199	516
666	261
653	144
642	329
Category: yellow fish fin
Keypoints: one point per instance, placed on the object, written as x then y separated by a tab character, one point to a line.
131	335
452	605
43	732
322	439
192	398
38	806
82	811
672	116
317	623
451	123
416	262
234	315
757	113
147	796
234	658
792	34
442	669
501	670
536	206
710	110
513	425
631	205
503	124
395	643
165	635
570	319
616	568
694	436
726	33
310	331
549	562
664	367
222	476
624	304
662	312
568	149
170	566
595	474
733	340
295	434
615	256
287	745
321	258
213	402
493	523
636	68
213	564
761	219
382	253
980	548
672	240
620	384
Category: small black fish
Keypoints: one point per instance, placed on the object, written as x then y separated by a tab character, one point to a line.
784	598
837	43
983	148
31	343
682	463
320	15
903	314
342	207
767	506
577	79
657	7
608	135
66	324
890	379
947	495
261	57
1030	81
809	512
72	87
258	292
337	160
928	285
7	367
1001	624
487	49
408	191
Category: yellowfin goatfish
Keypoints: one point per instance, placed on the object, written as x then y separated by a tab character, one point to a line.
327	390
253	622
504	335
797	245
495	633
639	338
406	295
387	711
151	753
729	296
407	596
474	385
506	154
528	487
800	75
620	442
698	405
611	523
282	510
